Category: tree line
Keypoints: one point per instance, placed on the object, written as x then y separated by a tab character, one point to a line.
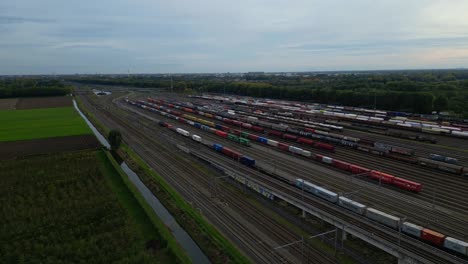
412	91
28	87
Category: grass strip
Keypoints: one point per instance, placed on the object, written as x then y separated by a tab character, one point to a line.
143	214
211	241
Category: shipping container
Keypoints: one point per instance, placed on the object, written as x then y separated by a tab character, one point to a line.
380	176
272	143
283	146
289	137
306	153
411	229
355	169
295	150
182	132
456	245
407	184
433	237
275	133
383	218
352	205
218	147
247	161
327	160
305	141
341	165
221	133
196	138
231	153
326	194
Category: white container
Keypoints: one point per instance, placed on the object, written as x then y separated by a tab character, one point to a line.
411	229
196	138
272	142
383	218
456	245
182	132
327	160
351	205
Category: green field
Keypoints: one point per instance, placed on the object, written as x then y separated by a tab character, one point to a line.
74	207
41	123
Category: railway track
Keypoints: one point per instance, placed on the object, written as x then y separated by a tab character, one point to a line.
448	190
233	227
424	215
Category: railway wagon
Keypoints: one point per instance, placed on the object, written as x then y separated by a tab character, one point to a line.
456	245
182	132
380	176
407	184
433	237
196	138
443	158
383	218
352	205
442	166
411	229
325	194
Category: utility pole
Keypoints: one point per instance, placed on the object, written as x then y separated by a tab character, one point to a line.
172	87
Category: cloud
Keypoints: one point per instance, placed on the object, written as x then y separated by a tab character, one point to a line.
218	35
16	19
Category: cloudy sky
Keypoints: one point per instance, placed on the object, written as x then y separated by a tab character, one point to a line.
155	36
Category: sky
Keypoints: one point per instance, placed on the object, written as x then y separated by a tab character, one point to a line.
200	36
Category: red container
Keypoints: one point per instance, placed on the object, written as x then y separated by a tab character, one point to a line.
341	165
253	137
275	133
283	146
380	176
324	146
289	136
225	128
221	133
247	125
231	153
355	169
305	141
171	105
318	157
257	129
407	185
236	132
310	130
181	119
434	237
237	123
227	120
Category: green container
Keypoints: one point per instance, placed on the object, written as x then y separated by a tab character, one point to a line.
244	141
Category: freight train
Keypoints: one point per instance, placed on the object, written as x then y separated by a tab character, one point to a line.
402	183
391	221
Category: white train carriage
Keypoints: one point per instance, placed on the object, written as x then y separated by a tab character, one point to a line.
383	218
196	138
411	229
272	142
352	205
456	245
183	132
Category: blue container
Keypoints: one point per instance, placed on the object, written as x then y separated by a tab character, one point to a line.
218	147
218	126
262	140
247	161
197	125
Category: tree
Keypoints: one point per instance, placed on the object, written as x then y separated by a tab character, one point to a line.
440	103
115	138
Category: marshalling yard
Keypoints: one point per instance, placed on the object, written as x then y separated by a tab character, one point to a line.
291	182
